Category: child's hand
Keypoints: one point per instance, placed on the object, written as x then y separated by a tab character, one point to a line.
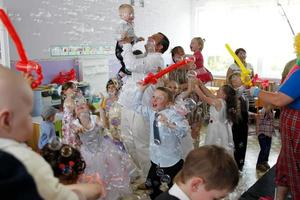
28	77
165	121
101	96
142	86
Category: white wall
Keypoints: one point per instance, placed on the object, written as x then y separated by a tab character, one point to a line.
45	23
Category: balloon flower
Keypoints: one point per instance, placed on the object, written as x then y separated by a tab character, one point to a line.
264	83
24	64
152	78
245	73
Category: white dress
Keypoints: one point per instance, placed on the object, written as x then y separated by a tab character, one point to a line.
107	158
219	130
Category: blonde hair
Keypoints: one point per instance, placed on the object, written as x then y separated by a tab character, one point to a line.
125	7
200	42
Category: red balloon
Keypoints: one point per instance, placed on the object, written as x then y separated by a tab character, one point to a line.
24	64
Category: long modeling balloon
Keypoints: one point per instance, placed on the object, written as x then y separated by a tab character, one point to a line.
24	64
152	78
245	73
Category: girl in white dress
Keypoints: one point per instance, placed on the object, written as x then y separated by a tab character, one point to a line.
223	111
101	155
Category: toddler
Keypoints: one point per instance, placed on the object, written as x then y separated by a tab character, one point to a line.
65	161
47	129
265	131
16	128
125	29
196	46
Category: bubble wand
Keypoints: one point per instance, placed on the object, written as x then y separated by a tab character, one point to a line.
24	64
152	78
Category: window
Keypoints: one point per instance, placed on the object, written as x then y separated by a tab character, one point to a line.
257	26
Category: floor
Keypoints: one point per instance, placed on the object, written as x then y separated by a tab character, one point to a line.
249	175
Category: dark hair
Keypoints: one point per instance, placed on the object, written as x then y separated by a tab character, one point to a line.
239	50
231	103
66	162
210	162
176	50
112	82
168	92
64	87
164	42
67	85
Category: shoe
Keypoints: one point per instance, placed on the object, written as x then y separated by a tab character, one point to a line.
261	168
266	164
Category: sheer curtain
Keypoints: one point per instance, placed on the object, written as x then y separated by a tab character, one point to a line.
257	26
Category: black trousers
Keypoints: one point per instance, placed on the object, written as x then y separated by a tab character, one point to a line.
154	181
240	137
118	52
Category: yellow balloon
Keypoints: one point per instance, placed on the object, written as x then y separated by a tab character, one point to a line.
245	73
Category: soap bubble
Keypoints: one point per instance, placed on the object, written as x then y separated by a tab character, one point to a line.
165	179
190	104
55	143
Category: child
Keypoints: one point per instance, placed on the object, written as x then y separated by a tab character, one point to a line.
65	161
195	115
101	155
69	91
196	46
200	179
112	89
265	131
47	129
16	128
240	128
223	112
187	141
178	75
125	29
167	128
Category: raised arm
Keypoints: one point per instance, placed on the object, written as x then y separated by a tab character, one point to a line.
206	91
211	101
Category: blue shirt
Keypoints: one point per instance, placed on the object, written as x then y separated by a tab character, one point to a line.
291	88
169	151
47	131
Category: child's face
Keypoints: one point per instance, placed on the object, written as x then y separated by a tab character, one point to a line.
178	56
127	15
80	108
111	89
236	81
173	86
195	46
70	91
159	100
51	118
220	93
